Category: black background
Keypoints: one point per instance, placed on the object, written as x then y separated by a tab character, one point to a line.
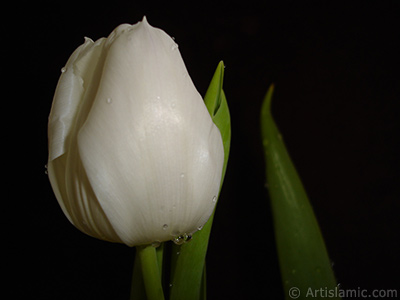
336	70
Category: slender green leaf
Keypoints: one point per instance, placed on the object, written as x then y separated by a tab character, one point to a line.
203	291
217	106
188	260
303	258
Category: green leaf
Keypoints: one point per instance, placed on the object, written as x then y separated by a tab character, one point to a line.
188	260
303	258
217	106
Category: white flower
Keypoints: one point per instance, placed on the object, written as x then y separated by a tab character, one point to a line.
134	156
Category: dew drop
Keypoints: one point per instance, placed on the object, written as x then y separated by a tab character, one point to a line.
165	226
200	227
109	100
188	238
158	97
182	239
156	244
45	170
214	199
171	285
179	240
174	46
175	233
63	69
182	175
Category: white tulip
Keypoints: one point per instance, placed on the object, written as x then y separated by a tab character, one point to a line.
134	156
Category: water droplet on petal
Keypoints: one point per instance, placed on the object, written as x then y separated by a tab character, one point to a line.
63	69
188	238
109	100
156	244
182	175
179	240
182	239
165	226
214	199
200	227
174	46
45	170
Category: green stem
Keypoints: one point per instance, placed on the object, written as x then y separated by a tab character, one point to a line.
151	272
137	287
160	256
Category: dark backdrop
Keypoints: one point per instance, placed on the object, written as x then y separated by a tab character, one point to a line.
335	66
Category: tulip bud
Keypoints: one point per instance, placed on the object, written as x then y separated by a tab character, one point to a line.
134	156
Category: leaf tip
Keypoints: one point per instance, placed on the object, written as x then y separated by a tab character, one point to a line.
266	106
213	95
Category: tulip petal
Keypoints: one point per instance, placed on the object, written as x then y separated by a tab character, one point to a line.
71	105
66	102
149	147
